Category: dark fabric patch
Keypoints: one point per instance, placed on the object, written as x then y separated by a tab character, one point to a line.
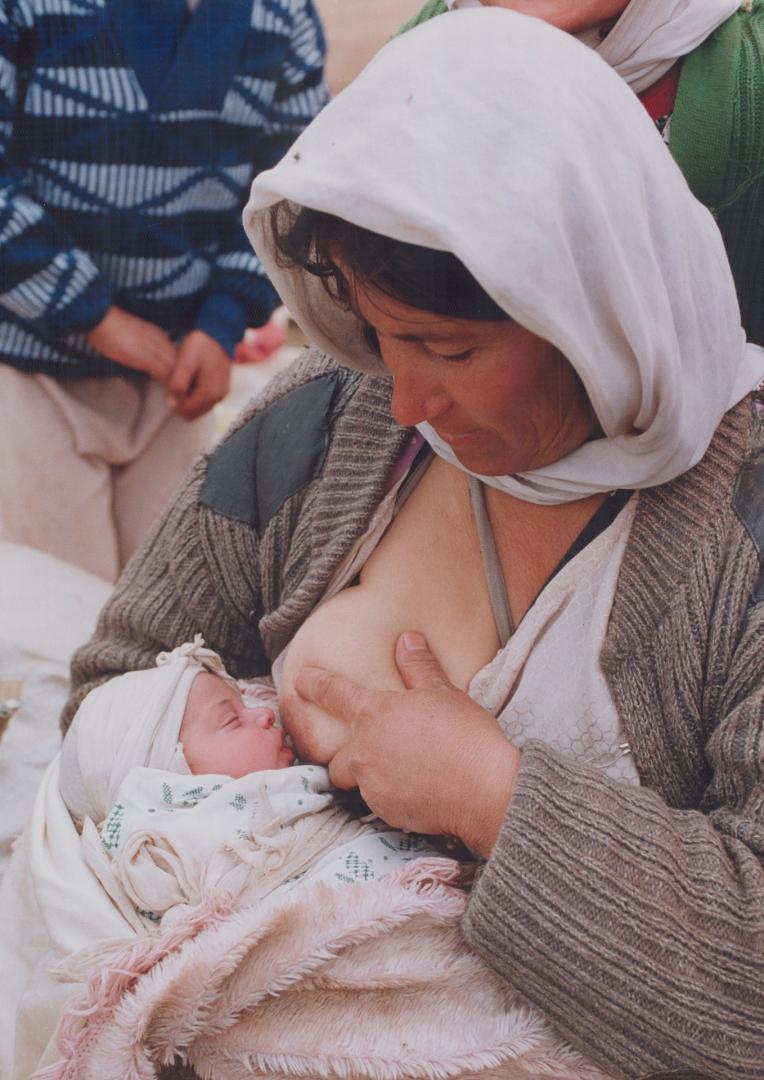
280	450
748	501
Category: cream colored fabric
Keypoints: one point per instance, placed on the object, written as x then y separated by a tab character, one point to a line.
51	905
88	464
129	722
520	151
546	684
172	842
650	35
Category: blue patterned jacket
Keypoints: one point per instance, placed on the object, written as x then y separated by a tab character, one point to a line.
130	132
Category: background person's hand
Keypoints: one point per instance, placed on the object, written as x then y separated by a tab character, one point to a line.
574	16
202	376
428	758
134	342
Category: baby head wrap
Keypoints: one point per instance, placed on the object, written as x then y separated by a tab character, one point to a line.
507	142
130	721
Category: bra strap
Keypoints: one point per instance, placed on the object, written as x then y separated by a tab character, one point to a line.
494	575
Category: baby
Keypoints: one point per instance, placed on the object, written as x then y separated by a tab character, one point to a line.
181	788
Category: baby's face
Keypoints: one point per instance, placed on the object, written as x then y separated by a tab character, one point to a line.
221	735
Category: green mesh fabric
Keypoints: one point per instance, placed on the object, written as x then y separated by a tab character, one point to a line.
430	9
717	138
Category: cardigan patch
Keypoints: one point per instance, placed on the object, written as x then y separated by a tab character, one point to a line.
270	458
748	501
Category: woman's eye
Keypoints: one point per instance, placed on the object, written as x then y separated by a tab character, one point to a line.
455	358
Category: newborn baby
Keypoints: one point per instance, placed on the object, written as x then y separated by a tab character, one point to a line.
182	789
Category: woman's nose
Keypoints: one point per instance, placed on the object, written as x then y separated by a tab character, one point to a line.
414	401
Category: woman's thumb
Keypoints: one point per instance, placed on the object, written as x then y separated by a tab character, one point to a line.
418	667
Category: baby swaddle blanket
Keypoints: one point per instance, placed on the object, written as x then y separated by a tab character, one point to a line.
171	841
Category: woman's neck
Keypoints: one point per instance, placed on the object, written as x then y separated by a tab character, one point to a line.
532	539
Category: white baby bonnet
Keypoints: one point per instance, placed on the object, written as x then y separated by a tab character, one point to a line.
132	720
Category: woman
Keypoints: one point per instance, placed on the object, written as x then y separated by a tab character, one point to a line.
624	902
697	66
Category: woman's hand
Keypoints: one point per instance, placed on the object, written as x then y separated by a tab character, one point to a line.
571	15
427	759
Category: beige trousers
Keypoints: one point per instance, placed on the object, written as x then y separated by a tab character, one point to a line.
86	465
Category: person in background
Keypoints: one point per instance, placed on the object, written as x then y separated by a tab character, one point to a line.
697	66
129	135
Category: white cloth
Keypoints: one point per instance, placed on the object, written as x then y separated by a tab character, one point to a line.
546	684
584	231
650	35
171	841
130	721
51	905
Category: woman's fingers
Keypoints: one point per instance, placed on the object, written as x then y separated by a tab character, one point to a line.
335	694
341	771
316	735
418	667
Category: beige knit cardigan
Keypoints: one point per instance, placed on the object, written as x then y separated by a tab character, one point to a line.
632	917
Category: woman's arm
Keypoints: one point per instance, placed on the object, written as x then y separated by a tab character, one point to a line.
636	928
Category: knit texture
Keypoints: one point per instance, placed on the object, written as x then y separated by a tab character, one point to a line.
121	187
717	138
632	917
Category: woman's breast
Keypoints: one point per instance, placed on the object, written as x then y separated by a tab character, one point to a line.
426	574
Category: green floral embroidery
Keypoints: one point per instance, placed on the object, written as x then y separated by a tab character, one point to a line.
406	843
357	868
166	793
238	802
112	827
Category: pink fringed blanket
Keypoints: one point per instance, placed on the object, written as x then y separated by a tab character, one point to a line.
359	982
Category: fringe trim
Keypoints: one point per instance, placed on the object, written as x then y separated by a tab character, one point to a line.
118	969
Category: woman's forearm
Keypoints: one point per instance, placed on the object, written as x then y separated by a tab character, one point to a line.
634	927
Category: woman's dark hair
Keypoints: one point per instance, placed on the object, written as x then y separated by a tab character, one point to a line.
346	256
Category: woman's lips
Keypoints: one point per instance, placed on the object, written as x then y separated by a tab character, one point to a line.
458	438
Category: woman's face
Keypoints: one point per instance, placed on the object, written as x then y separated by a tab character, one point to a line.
503	399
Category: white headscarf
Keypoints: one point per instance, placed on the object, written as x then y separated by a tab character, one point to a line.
503	140
130	721
650	35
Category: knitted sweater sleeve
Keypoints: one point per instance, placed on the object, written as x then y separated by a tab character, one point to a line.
240	294
47	280
198	571
637	928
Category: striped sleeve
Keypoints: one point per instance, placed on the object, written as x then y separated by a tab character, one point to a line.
46	280
240	294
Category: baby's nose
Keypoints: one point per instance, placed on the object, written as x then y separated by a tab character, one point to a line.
264	718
